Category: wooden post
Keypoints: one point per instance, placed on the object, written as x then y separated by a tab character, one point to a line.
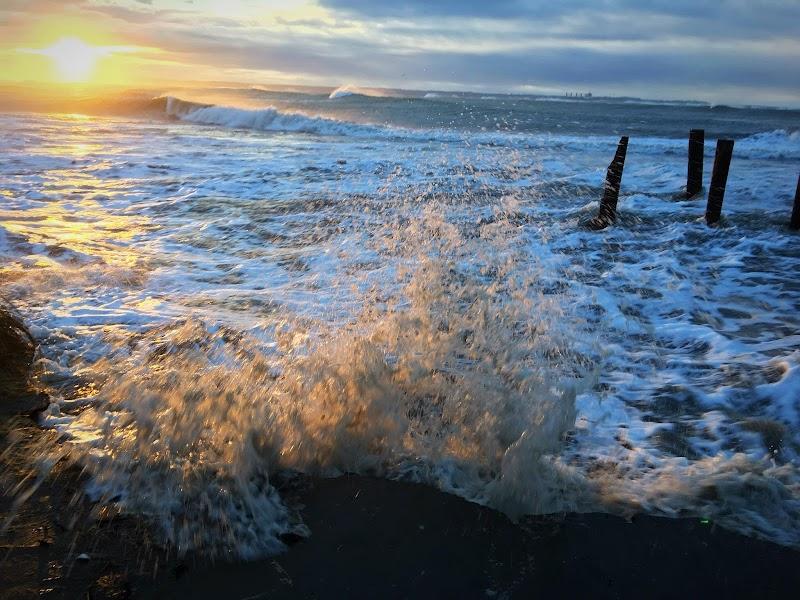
795	224
694	171
608	205
719	179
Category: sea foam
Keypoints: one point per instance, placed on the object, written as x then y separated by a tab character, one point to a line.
412	303
456	382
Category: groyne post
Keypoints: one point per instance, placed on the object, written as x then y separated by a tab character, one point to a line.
608	205
694	171
795	222
719	179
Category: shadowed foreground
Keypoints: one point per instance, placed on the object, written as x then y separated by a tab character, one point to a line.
375	538
378	538
370	538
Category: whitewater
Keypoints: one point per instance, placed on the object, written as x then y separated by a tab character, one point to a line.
232	285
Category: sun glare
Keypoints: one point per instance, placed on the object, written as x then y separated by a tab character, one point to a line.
74	59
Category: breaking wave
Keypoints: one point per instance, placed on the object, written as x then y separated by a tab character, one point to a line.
772	144
464	380
344	91
353	90
263	119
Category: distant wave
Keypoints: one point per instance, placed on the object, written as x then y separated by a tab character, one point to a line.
435	95
344	91
261	119
351	90
273	119
772	144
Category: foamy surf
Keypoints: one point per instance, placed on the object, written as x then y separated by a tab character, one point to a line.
265	119
345	91
779	143
413	300
458	381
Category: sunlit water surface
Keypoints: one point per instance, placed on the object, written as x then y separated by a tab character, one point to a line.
383	286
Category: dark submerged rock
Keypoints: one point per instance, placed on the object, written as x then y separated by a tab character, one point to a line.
17	349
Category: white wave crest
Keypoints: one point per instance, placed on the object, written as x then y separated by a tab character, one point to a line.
263	119
344	91
779	143
353	90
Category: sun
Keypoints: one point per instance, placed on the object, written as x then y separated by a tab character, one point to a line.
73	58
79	59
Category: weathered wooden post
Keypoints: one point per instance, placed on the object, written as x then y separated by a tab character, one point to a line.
694	171
795	223
719	179
608	205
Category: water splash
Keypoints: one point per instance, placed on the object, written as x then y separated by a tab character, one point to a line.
461	379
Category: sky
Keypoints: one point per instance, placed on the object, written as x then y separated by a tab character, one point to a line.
731	51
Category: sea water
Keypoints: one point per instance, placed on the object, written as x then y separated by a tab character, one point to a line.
230	284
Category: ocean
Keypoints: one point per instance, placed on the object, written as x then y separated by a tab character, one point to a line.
231	285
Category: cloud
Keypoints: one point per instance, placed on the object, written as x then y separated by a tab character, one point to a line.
717	17
626	69
407	8
674	48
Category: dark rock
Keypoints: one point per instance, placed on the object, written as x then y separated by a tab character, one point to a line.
180	570
291	538
17	348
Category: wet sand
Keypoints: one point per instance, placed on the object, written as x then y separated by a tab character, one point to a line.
374	538
377	538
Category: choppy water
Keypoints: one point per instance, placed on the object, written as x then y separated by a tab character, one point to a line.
400	286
